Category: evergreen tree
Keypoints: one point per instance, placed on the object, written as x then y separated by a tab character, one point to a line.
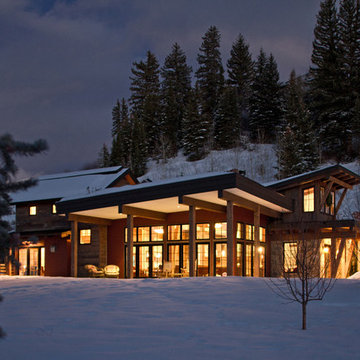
145	98
265	100
227	126
104	157
210	79
8	149
328	98
349	50
240	73
297	149
194	140
138	155
175	89
122	135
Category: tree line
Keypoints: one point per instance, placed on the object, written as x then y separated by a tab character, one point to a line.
310	118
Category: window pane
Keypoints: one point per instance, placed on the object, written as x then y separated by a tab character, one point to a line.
239	231
174	256
261	251
203	259
85	236
221	259
157	259
32	210
290	254
262	233
308	195
185	231
239	259
134	234
203	231
144	261
220	230
185	249
157	233
248	260
144	233
23	261
249	232
53	210
174	232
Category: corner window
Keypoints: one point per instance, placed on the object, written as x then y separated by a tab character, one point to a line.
85	236
32	210
308	199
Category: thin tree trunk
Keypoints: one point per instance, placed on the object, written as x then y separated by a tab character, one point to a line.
304	316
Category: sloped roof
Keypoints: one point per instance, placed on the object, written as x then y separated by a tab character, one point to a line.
338	172
57	186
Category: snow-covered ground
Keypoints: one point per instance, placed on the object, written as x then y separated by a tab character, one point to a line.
189	318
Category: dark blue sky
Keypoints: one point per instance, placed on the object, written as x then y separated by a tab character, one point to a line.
64	63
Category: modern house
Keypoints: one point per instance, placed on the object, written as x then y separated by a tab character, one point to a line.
203	225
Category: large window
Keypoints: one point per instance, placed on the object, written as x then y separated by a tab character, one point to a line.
308	199
178	232
147	233
220	230
85	236
290	255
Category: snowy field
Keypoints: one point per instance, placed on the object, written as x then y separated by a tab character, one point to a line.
198	318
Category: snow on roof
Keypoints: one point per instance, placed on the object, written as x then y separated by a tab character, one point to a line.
57	186
147	185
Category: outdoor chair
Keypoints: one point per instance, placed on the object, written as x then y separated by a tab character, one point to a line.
112	271
94	271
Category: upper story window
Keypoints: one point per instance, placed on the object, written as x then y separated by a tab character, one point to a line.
220	230
328	207
85	236
32	210
53	209
146	233
308	199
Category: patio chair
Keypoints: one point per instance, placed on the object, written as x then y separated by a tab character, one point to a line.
94	271
112	271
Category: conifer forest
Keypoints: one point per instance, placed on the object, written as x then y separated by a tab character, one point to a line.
311	118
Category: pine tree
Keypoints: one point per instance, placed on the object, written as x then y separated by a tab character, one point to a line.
328	98
297	149
138	155
8	149
210	79
227	126
122	135
194	140
240	73
265	100
175	89
104	157
145	98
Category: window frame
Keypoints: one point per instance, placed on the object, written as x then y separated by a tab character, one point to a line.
307	203
81	242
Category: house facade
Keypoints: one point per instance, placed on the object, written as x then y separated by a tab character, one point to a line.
204	225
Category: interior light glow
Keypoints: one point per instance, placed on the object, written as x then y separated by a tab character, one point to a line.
326	250
260	249
159	231
223	253
217	225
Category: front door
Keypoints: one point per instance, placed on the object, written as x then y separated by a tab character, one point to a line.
32	261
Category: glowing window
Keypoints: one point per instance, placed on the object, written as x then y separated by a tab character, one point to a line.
290	255
249	233
262	234
220	230
53	210
134	234
174	232
203	231
32	210
144	233
185	231
308	196
157	233
85	236
239	231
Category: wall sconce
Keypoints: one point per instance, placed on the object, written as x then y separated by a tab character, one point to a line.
52	248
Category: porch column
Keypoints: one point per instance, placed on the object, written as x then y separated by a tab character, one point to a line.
230	237
130	247
74	248
192	235
257	242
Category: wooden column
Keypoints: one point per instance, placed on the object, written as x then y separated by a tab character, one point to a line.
230	237
257	242
74	248
130	247
192	236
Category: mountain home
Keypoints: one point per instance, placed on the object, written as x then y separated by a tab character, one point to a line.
203	225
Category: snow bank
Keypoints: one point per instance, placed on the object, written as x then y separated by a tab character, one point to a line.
190	318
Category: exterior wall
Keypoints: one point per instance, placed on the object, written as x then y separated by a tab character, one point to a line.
44	220
116	232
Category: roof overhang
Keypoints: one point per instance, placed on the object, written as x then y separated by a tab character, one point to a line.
152	200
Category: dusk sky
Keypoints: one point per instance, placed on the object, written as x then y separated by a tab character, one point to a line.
64	63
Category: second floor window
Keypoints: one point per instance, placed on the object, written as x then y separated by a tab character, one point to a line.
32	210
85	236
308	199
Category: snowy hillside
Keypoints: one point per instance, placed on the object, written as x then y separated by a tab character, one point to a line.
257	160
169	319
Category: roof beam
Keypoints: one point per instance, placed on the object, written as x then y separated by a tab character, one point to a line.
340	182
247	204
144	213
89	219
201	204
326	193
